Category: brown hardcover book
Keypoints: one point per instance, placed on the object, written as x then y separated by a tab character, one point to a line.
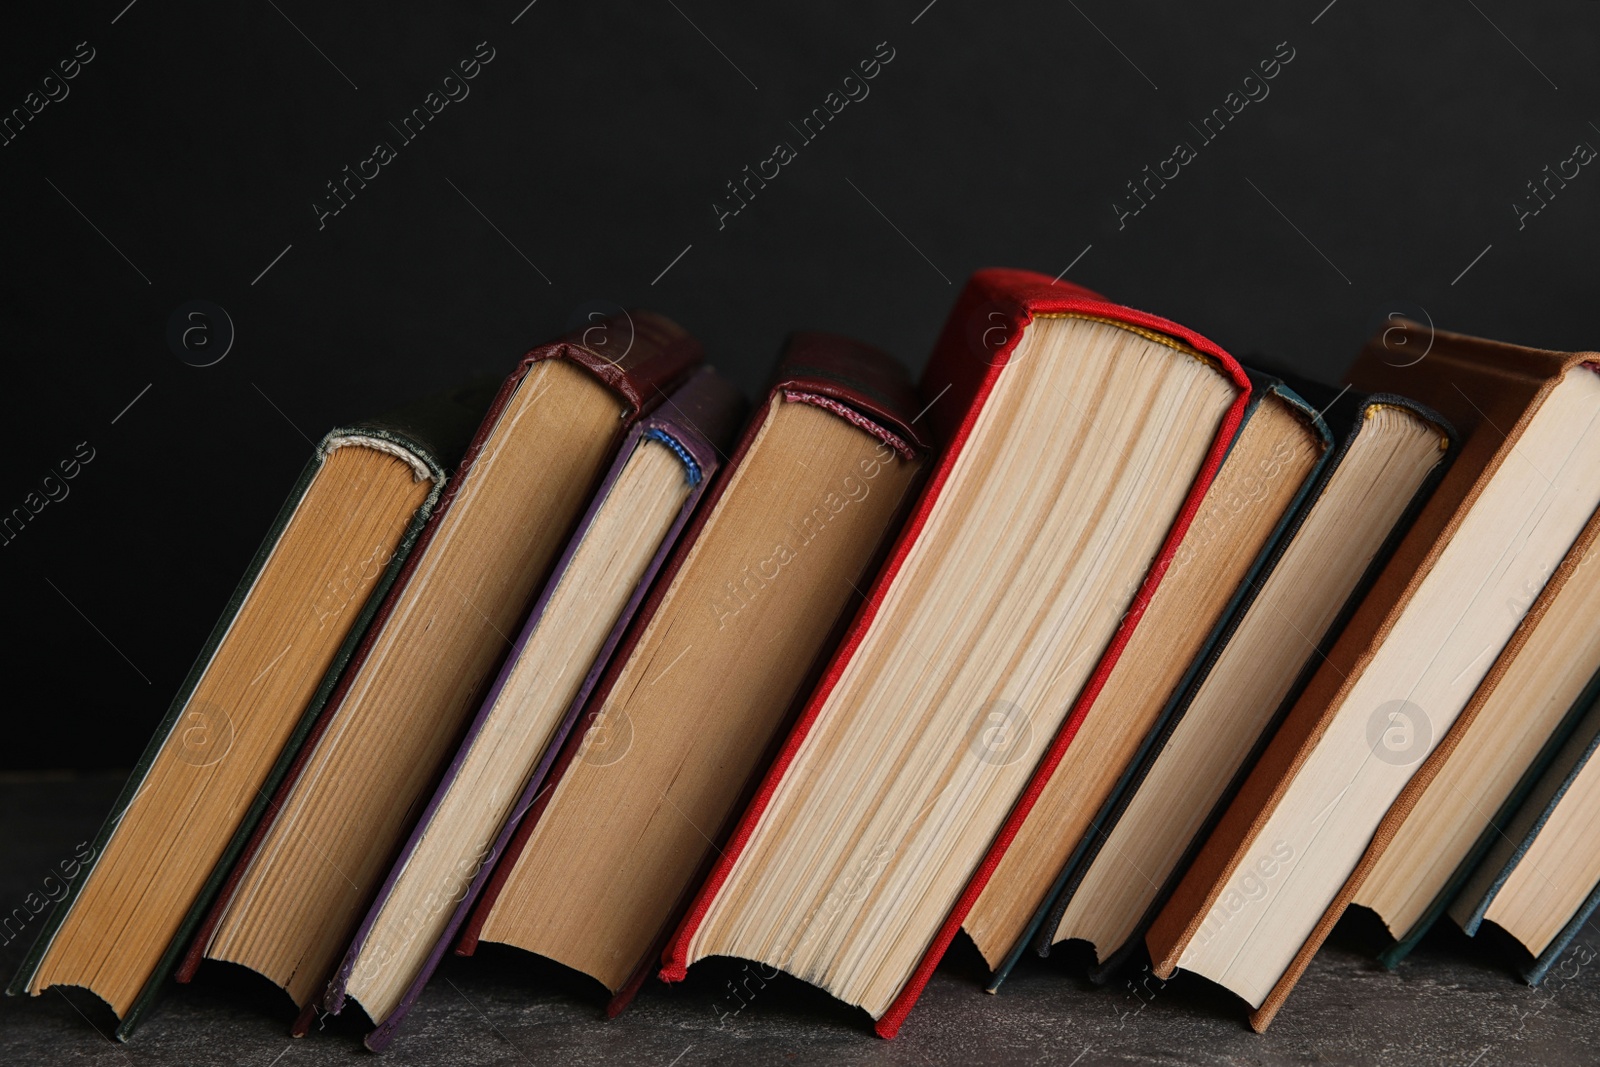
1475	774
1390	456
735	630
314	864
1275	875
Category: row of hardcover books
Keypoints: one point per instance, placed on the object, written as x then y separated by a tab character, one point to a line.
1091	635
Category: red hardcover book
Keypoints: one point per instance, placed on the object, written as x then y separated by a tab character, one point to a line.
1081	438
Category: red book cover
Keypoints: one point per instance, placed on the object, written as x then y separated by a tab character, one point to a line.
989	318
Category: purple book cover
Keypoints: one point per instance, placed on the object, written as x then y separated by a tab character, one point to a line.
697	422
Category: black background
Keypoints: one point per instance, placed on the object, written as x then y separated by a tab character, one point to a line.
190	150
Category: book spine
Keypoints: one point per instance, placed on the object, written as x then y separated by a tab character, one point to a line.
467	943
962	402
883	422
1304	722
1352	412
1347	411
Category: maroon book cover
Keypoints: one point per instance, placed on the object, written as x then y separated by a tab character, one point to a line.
641	356
697	423
862	385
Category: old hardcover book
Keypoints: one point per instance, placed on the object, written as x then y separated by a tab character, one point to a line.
1463	811
1083	436
1424	648
1269	467
295	897
735	630
1541	881
1390	454
271	661
663	467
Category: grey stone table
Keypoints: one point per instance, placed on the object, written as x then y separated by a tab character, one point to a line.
1453	1005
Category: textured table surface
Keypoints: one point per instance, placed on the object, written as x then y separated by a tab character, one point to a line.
1451	1004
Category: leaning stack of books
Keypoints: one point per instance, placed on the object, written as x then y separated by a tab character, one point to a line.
1090	635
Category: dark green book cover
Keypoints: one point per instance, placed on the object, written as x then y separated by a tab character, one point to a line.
1511	845
1345	412
430	436
1492	833
1262	386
